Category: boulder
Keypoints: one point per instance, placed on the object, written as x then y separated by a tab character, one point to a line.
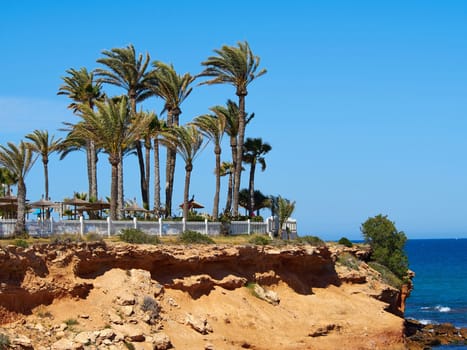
161	341
199	324
268	295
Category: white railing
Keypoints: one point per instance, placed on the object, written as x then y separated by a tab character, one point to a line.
160	227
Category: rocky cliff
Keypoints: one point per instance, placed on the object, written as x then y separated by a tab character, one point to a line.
120	296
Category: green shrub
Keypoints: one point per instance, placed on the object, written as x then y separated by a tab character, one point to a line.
349	260
345	242
311	240
71	322
93	237
387	275
387	244
4	341
258	239
136	236
194	237
66	238
21	243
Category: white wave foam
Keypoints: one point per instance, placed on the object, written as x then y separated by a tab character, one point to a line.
441	308
425	322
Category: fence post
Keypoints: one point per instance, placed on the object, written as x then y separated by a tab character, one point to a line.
81	225
160	227
183	224
206	226
109	226
51	225
135	223
249	227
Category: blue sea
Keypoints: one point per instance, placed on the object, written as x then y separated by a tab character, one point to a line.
440	283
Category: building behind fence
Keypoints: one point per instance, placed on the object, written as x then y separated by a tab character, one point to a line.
160	227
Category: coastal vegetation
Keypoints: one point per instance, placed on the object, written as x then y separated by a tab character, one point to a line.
387	244
112	125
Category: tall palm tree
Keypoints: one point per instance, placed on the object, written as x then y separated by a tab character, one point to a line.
173	89
114	128
253	153
81	87
237	66
187	141
19	161
213	127
157	128
129	71
44	145
230	113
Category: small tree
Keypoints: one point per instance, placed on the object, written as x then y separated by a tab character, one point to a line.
387	244
283	208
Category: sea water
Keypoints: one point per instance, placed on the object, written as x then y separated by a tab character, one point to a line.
440	283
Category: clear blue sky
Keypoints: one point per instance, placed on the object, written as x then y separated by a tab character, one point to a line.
364	102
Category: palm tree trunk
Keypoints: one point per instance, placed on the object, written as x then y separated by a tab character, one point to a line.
142	172
215	209
20	227
89	166
139	152
251	189
157	179
114	189
188	169
238	167
120	194
228	204
233	146
46	178
172	120
46	182
93	160
147	147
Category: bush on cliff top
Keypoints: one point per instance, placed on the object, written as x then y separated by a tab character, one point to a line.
194	237
345	242
132	235
387	244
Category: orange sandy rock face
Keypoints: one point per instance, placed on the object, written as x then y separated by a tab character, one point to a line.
103	295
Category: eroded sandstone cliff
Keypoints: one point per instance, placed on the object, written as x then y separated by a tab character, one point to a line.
105	296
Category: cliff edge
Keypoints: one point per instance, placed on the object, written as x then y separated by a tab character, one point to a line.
120	296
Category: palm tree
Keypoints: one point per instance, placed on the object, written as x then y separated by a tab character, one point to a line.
213	128
157	129
261	201
253	153
173	89
113	128
230	114
236	66
44	146
284	209
7	179
227	168
130	72
187	142
82	89
19	161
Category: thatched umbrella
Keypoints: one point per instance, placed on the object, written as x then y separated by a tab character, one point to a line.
75	202
42	204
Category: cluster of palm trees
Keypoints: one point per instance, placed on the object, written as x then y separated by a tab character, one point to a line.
114	125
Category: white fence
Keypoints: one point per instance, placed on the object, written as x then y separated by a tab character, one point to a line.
160	227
